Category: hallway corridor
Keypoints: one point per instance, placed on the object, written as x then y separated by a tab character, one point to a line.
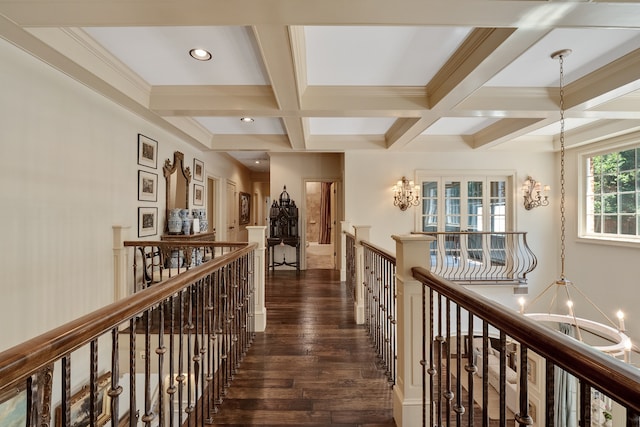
313	366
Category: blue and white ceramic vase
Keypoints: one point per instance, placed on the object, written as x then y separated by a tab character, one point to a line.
186	225
202	216
174	222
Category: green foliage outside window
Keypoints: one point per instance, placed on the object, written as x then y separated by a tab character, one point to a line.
613	198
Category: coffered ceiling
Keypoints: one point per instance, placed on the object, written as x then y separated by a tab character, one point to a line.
336	75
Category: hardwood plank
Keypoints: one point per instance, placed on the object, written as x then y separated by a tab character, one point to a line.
313	366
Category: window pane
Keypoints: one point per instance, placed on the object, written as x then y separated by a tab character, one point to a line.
610	183
597	184
610	204
430	206
474	189
628	203
597	224
628	224
430	189
498	189
627	160
452	189
609	163
627	181
611	224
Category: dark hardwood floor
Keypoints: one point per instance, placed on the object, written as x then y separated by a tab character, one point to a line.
313	366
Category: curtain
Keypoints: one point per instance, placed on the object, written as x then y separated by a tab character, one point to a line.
325	213
566	391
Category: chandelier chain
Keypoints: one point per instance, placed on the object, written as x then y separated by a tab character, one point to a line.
562	180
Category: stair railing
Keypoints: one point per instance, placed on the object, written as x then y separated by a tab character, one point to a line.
163	355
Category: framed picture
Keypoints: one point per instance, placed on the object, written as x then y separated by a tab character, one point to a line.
13	407
147	151
147	221
198	170
198	195
79	403
245	208
532	370
147	186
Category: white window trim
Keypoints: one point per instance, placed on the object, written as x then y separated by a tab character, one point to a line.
615	144
509	176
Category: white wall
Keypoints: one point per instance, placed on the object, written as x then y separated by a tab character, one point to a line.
370	176
69	174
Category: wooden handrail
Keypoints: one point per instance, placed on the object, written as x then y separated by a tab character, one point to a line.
379	251
18	362
180	243
615	378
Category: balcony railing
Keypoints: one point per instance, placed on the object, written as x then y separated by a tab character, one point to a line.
162	356
465	331
380	305
481	363
156	261
482	257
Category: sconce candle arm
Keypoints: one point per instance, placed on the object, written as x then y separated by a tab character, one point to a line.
534	194
406	194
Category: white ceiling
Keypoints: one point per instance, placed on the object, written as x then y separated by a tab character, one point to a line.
333	76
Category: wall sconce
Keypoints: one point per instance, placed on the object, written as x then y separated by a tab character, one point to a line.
533	195
405	194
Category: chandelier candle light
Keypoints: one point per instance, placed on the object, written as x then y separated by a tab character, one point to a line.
620	343
406	194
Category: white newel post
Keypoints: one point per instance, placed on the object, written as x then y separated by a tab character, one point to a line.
257	235
120	266
345	226
362	233
411	251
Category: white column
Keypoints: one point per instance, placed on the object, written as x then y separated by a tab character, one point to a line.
120	265
411	251
345	226
362	233
257	234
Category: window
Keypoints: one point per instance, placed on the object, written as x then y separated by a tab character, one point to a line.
612	196
465	204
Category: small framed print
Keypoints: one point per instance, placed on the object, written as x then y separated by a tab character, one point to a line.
80	404
147	151
198	195
147	221
245	208
147	186
198	170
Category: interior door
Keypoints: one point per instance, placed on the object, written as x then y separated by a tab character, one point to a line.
232	212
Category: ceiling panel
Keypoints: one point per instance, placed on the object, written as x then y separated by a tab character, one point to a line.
160	55
374	56
591	49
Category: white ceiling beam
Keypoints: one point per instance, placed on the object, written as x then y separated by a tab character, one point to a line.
276	48
224	142
214	101
505	130
470	13
597	131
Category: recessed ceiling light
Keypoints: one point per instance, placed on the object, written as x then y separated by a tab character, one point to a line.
257	162
200	54
246	119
